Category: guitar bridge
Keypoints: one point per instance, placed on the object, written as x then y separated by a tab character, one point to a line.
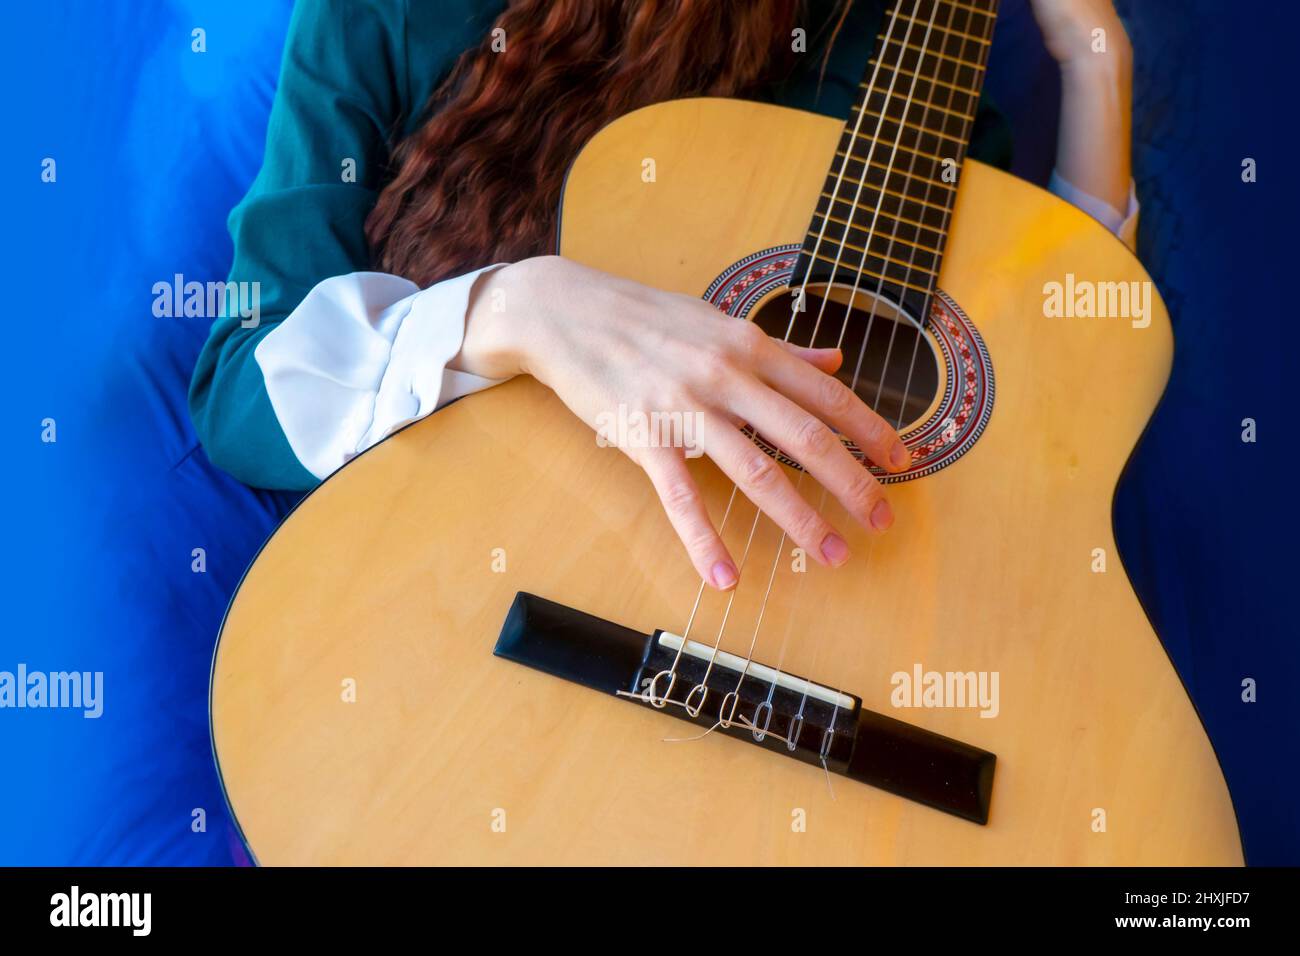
783	713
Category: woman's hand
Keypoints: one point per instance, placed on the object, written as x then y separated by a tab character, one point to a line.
1069	30
605	344
1093	147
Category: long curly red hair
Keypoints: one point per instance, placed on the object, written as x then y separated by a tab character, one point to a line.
480	181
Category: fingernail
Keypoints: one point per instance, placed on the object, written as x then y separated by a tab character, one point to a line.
900	457
724	575
834	550
882	516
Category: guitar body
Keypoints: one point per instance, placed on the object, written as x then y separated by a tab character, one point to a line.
386	584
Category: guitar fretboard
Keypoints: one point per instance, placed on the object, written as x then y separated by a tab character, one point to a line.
885	209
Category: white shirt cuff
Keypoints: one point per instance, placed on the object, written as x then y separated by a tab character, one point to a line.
417	382
361	356
1122	224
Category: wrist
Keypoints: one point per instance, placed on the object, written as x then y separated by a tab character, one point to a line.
498	322
1112	68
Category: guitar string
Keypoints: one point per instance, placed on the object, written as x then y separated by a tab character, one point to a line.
766	706
866	557
866	161
929	185
927	107
906	111
654	698
911	262
759	724
966	128
759	727
702	686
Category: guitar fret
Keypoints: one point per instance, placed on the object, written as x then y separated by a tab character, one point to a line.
891	206
966	6
916	228
921	129
920	114
875	275
897	195
924	51
876	180
922	267
948	30
908	175
923	171
911	62
960	23
920	152
879	206
910	266
933	60
921	101
893	237
835	228
925	79
917	231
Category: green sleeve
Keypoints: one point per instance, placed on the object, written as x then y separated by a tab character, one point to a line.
337	100
355	78
340	95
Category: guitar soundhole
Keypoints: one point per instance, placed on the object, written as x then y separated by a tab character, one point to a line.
888	361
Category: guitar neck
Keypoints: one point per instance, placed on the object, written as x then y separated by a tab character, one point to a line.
882	219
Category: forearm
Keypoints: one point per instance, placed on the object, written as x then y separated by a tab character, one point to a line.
1093	149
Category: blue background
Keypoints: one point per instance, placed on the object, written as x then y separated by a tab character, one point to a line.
155	143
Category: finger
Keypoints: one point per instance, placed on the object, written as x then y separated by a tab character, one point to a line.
808	440
685	508
762	478
836	404
827	360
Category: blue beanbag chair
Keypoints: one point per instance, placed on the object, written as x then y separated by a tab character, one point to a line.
138	542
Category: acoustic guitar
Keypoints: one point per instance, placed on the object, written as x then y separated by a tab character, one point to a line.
480	641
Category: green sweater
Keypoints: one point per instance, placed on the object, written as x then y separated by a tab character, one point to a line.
355	78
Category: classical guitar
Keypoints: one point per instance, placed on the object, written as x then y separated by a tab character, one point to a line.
479	642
